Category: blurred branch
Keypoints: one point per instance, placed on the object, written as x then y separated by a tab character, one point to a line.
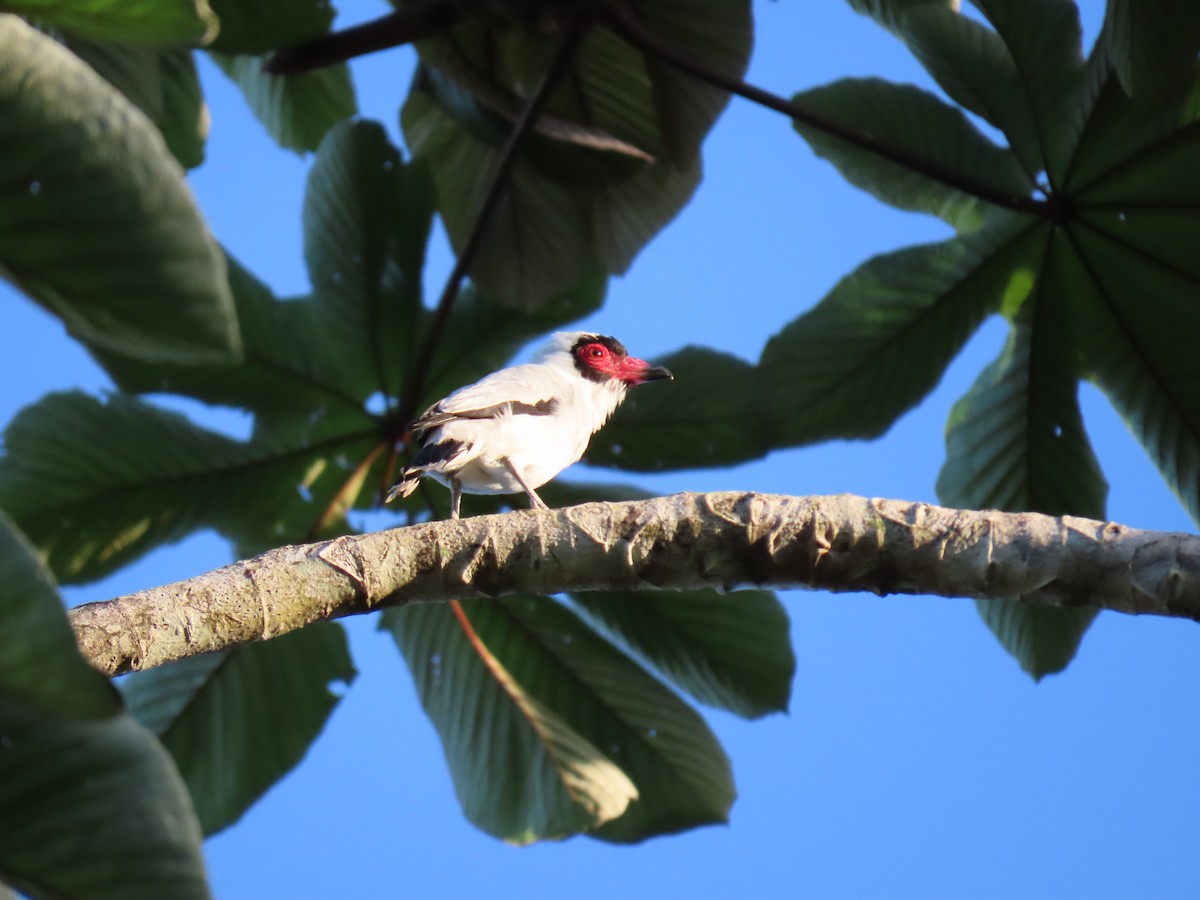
686	541
405	25
625	22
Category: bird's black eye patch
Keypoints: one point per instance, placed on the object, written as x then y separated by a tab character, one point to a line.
589	349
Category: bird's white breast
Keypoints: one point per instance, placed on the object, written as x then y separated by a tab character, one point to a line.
539	446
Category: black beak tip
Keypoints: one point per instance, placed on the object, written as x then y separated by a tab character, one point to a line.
658	373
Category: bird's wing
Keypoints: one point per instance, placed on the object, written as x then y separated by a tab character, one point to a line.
519	390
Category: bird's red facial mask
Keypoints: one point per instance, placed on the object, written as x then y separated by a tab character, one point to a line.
613	362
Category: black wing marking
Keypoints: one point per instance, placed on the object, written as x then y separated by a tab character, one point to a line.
432	454
436	416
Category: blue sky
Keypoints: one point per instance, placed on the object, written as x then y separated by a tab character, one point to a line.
917	760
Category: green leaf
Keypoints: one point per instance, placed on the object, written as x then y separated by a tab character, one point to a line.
887	12
184	119
1016	442
237	722
561	208
1133	155
265	25
555	782
915	122
96	484
157	22
731	650
296	110
482	335
161	83
292	362
538	239
1018	80
882	338
715	413
510	770
718	31
367	217
1043	39
1136	314
1043	639
99	226
93	809
1150	42
40	666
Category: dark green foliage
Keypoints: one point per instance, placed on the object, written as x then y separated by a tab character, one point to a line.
90	805
1078	224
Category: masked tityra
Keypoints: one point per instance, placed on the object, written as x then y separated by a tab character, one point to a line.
516	429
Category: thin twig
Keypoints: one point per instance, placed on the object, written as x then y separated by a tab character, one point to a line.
625	22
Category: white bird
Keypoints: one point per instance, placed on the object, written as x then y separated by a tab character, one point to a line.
517	428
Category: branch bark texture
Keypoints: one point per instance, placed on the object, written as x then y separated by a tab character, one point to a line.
720	540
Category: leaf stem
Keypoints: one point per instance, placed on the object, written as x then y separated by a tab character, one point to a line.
622	19
344	496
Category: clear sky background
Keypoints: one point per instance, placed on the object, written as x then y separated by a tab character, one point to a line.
917	759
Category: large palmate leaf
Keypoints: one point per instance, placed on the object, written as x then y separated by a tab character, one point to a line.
550	731
89	804
715	413
482	336
615	156
1150	44
94	484
93	809
161	83
161	22
98	225
1017	77
236	722
731	650
1099	269
40	666
915	122
291	362
882	338
296	110
541	231
262	25
313	366
552	782
1016	442
367	217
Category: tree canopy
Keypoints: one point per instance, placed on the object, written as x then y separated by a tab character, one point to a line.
551	141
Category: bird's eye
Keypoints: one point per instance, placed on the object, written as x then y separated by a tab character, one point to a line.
595	351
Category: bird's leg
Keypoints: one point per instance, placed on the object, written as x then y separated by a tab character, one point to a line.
455	497
535	501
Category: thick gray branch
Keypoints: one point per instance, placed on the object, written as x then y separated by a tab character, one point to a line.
722	540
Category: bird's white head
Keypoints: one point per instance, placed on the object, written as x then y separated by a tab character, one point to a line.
599	358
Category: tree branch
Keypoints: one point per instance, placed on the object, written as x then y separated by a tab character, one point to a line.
719	540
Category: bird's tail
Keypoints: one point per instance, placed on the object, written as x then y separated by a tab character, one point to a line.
409	479
430	456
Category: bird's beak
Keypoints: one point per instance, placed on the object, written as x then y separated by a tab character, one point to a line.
638	371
